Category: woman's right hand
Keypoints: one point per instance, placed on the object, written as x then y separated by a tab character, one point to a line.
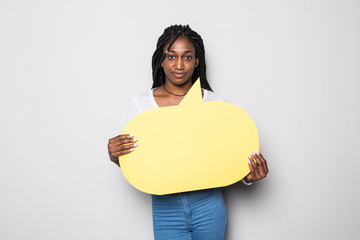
120	145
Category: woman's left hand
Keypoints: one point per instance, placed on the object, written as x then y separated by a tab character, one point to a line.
258	168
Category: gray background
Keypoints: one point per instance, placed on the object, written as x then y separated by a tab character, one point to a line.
69	69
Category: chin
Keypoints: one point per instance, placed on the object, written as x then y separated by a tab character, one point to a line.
179	82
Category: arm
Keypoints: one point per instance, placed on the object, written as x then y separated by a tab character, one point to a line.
124	143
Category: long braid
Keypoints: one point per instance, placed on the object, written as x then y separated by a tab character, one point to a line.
169	36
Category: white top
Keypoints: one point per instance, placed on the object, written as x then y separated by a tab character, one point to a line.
146	101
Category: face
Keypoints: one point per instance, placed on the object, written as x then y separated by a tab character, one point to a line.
180	62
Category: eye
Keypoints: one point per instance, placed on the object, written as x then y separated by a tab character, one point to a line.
170	57
188	57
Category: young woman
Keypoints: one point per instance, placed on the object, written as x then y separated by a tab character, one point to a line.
179	59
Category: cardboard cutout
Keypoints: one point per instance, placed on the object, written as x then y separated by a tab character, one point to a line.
195	145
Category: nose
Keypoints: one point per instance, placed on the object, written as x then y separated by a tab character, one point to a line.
179	64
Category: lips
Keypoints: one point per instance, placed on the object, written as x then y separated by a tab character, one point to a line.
179	75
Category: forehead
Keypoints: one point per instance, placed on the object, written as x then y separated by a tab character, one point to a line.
182	44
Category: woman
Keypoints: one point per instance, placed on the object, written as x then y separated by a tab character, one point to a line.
178	61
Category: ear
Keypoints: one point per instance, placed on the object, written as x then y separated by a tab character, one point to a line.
197	62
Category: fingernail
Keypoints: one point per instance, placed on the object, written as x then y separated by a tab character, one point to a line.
134	140
131	150
249	162
131	135
253	153
249	156
134	145
257	152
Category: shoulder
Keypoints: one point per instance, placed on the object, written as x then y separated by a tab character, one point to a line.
211	96
141	99
141	103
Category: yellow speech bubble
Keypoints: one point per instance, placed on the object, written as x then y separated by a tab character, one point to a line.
195	145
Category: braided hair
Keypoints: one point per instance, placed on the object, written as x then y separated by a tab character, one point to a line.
169	36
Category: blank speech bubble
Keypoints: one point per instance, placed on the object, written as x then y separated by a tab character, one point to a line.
195	145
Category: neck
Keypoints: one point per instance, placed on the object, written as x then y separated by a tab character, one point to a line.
177	89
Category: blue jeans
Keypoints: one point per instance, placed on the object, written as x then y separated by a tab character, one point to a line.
196	215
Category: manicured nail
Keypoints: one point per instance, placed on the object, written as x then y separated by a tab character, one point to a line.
253	153
257	152
134	145
249	156
249	162
131	135
131	150
134	140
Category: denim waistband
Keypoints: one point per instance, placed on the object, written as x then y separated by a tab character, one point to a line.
191	197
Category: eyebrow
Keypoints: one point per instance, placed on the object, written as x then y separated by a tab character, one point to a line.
189	51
